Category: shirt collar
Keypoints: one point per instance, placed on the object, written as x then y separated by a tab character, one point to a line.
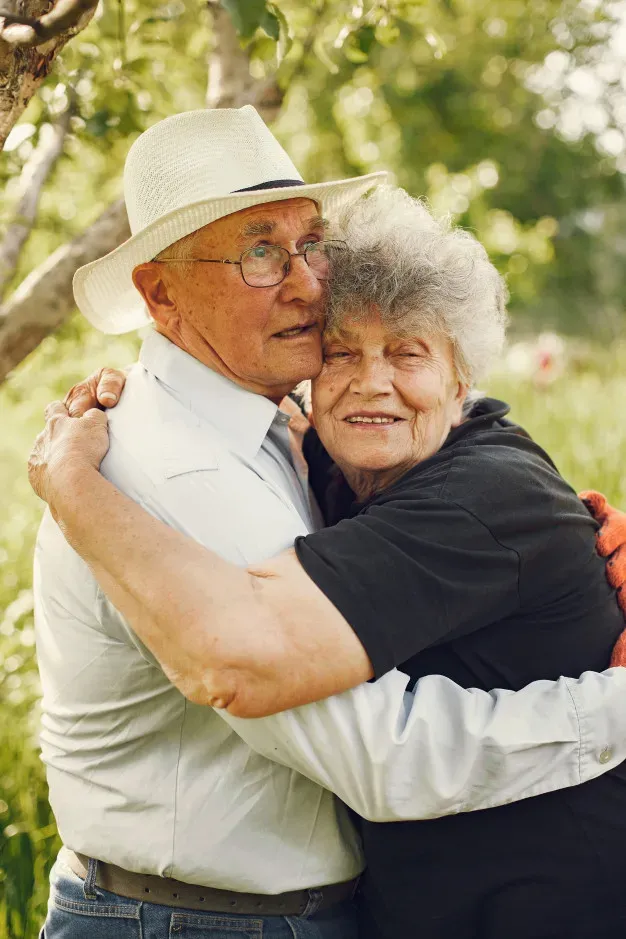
241	416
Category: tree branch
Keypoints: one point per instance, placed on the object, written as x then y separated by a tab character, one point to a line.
20	30
44	298
25	65
230	84
34	174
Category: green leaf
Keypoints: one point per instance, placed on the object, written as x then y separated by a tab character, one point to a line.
284	37
271	25
365	38
247	15
354	51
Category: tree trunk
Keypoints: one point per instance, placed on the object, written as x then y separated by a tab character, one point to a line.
44	299
23	67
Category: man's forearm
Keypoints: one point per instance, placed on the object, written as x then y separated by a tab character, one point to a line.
395	755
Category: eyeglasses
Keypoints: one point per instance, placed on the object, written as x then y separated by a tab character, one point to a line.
268	265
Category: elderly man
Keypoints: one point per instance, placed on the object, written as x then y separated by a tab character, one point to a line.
172	825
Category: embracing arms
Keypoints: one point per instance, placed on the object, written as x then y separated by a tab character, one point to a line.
389	752
255	641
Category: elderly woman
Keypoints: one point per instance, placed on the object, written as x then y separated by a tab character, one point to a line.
455	547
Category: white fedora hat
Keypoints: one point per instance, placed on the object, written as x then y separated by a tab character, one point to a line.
180	175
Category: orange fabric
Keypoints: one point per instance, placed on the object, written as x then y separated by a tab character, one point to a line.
611	544
619	652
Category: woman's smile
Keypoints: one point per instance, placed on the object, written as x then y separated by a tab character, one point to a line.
377	421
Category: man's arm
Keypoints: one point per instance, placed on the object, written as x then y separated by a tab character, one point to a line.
393	754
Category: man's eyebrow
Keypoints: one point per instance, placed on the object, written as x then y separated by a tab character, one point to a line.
259	227
266	227
318	221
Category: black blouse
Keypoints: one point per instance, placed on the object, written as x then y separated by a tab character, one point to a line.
480	564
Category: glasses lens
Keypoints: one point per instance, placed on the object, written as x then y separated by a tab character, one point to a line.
264	265
319	257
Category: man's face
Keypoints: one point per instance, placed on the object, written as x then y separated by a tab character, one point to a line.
266	339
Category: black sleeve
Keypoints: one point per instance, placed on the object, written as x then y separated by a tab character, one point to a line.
410	573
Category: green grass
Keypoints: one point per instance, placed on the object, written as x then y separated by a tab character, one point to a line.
579	419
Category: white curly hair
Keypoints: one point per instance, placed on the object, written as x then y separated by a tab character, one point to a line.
422	275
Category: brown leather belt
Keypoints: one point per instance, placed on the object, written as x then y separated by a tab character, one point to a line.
168	892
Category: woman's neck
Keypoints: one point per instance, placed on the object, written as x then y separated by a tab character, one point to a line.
367	483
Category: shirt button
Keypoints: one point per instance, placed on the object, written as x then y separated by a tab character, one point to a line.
606	756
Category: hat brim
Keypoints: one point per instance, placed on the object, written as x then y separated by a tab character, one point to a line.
104	289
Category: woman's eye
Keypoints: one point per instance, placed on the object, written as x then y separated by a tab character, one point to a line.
336	355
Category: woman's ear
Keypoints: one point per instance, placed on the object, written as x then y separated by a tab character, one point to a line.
148	279
460	398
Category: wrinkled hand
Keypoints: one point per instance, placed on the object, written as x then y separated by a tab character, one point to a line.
101	390
66	446
611	544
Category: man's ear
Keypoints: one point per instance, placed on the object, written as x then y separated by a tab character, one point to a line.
148	279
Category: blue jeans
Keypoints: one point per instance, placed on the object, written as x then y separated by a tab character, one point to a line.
72	916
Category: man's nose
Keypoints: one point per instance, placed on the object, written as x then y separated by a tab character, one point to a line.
301	283
372	377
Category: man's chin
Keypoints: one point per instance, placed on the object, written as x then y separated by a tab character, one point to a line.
295	365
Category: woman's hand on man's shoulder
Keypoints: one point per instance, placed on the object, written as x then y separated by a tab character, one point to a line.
102	389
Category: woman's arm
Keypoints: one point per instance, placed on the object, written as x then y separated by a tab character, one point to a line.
253	641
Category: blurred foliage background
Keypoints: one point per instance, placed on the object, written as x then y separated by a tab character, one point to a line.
508	114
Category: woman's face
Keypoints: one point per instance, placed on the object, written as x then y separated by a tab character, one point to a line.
383	401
